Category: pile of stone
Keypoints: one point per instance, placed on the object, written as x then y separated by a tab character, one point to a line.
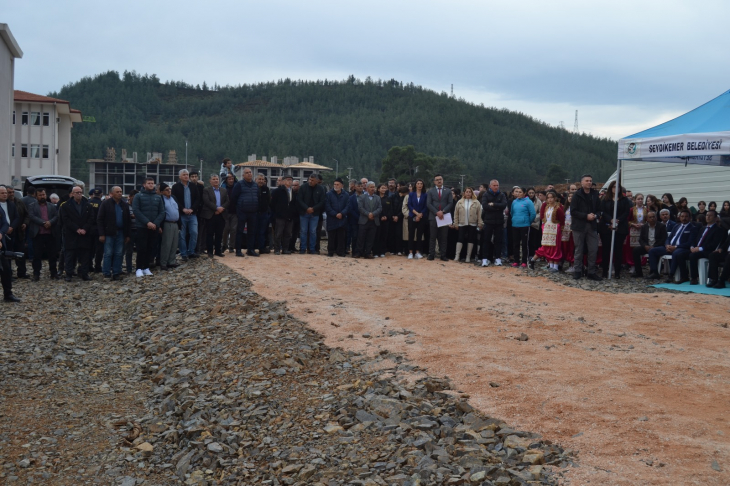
195	379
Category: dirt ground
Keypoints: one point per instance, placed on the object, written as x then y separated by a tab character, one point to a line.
638	384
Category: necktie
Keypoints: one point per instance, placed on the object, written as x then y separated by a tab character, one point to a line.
677	236
289	192
699	245
439	193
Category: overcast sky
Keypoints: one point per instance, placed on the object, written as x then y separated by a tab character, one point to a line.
624	65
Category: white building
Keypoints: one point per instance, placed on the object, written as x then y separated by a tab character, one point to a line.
9	51
41	142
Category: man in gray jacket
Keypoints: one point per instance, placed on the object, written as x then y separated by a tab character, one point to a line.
369	206
439	201
45	232
149	213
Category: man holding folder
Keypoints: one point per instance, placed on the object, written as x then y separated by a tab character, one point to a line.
439	202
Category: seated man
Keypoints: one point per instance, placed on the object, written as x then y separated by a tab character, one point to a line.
665	217
653	235
708	239
721	256
678	243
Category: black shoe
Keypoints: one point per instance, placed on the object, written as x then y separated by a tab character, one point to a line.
577	275
117	277
444	259
239	254
682	280
430	258
11	298
231	250
694	281
286	252
173	265
193	255
163	267
355	255
86	278
184	258
56	277
369	257
669	279
220	254
36	278
252	253
653	276
711	283
719	285
67	278
638	275
265	251
24	276
531	264
330	255
277	252
594	277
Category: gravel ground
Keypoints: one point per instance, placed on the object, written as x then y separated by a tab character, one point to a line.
189	377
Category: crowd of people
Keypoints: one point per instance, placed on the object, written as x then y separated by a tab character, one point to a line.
168	225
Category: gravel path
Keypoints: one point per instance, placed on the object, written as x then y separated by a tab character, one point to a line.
189	377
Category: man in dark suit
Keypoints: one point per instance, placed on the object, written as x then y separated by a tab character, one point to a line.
45	232
370	208
6	273
678	244
76	214
215	200
439	201
708	239
653	235
721	256
284	211
187	195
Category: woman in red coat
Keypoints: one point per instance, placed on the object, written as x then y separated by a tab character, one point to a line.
552	217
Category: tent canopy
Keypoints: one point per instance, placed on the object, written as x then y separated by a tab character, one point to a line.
701	136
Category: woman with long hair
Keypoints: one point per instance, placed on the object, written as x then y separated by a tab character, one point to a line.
467	218
637	218
652	204
725	215
381	236
702	209
608	225
523	214
417	219
568	247
668	203
712	206
553	219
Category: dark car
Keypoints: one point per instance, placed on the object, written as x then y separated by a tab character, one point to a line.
58	184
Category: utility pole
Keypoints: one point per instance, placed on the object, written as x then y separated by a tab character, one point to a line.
186	152
575	125
337	170
462	182
349	173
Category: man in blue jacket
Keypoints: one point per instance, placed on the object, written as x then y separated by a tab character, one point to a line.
311	204
336	205
245	202
678	245
353	215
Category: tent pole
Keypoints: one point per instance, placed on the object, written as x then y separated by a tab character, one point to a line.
615	211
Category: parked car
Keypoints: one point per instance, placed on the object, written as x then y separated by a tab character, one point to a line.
58	184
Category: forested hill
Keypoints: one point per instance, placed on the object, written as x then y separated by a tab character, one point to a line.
353	121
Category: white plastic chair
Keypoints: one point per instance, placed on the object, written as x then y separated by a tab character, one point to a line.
703	266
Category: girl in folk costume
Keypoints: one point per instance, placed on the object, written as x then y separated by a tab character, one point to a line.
566	237
553	219
637	217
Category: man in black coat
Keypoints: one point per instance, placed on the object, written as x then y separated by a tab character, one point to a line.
96	252
76	214
585	211
284	210
653	235
494	203
721	256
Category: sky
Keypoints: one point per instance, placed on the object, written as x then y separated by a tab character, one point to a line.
624	65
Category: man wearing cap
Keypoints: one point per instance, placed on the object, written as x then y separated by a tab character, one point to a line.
284	210
96	253
336	208
188	197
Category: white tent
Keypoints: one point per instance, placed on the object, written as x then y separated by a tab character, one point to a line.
698	143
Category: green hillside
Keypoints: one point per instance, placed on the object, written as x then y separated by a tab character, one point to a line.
354	121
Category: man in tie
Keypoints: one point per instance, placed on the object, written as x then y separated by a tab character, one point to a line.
370	208
678	245
439	201
708	240
284	209
721	256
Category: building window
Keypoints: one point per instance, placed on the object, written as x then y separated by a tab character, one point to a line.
24	118
35	151
35	118
45	151
12	150
24	150
46	119
13	117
